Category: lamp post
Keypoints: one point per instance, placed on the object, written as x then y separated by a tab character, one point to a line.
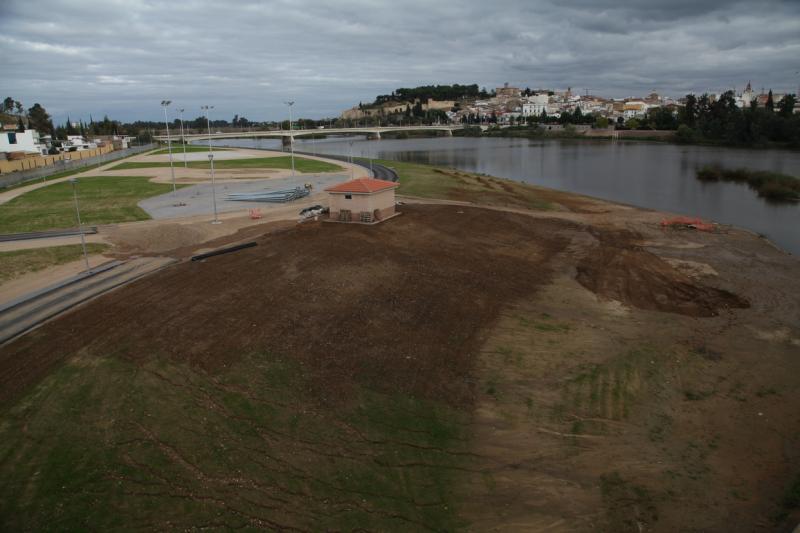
291	139
74	182
183	140
352	176
213	190
164	104
207	109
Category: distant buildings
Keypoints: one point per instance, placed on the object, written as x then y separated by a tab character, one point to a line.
509	105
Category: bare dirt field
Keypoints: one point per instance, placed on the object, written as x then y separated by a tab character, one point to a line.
456	368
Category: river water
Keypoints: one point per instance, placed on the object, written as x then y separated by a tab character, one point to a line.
653	175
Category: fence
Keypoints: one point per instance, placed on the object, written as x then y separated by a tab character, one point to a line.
38	161
57	163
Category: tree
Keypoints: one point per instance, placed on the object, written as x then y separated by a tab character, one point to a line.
786	106
662	118
8	104
601	122
69	129
770	105
39	120
18	107
632	124
689	113
685	134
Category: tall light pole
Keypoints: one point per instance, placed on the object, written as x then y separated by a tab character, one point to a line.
207	109
164	104
183	140
352	176
291	139
74	182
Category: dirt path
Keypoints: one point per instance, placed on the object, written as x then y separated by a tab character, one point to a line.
28	244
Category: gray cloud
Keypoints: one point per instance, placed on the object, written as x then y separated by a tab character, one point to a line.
122	57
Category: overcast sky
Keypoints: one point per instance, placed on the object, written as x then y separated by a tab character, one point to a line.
122	57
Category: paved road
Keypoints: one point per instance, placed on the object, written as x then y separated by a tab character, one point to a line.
379	171
198	198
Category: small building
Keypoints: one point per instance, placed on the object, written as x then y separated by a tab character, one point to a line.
362	200
27	142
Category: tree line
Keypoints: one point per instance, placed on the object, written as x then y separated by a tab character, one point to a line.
432	92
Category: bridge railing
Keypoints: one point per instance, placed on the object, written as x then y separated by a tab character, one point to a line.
300	132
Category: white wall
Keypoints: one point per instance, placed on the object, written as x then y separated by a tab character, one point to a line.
25	142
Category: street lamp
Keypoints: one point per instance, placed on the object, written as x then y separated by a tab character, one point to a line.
351	161
183	140
291	139
74	182
164	104
207	109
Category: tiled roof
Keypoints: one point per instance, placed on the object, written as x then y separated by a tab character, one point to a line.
362	186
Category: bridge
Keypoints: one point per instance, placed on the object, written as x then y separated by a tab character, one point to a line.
373	132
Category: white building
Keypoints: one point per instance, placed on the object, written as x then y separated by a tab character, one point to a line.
76	143
635	108
535	104
744	99
27	141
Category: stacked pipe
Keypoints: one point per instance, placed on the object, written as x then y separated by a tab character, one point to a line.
281	196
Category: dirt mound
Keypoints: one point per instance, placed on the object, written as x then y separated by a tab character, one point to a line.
400	306
621	270
157	238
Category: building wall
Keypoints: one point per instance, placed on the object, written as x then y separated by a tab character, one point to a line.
382	201
445	105
27	141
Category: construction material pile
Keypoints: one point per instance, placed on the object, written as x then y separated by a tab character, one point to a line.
281	196
688	223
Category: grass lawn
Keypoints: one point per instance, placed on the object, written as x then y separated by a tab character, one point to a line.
428	181
105	440
19	262
103	200
178	149
301	164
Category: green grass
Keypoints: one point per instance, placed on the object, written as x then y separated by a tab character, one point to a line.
769	185
426	181
106	443
19	262
103	200
301	164
190	148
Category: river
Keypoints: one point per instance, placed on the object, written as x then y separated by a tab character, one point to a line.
653	175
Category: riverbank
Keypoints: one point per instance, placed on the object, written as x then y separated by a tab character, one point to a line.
651	175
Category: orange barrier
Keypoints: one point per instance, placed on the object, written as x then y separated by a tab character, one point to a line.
688	223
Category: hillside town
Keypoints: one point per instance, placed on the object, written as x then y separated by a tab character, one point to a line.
512	105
